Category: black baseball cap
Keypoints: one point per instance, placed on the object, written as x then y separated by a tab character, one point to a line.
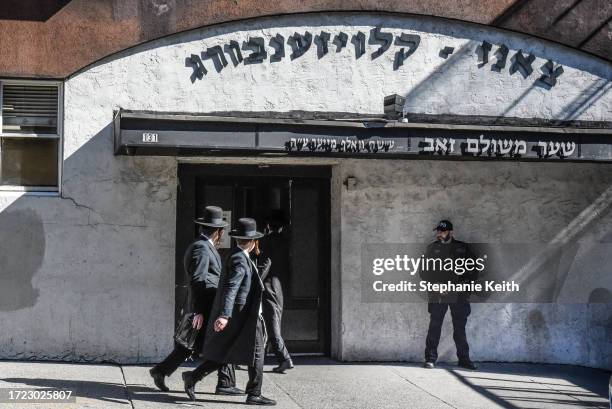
444	225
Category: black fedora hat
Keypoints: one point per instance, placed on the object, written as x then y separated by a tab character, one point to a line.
246	229
213	217
275	216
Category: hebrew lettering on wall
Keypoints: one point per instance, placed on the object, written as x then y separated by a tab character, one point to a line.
340	40
442	146
409	44
346	145
500	147
321	40
299	44
383	39
446	51
233	50
485	47
561	149
258	54
380	41
216	54
195	62
497	147
521	63
359	41
278	43
550	73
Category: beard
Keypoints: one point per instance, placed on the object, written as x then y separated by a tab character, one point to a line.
444	239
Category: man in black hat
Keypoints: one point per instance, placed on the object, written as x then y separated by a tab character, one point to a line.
203	265
237	335
447	247
275	247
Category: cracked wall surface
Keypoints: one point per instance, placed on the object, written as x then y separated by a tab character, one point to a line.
92	276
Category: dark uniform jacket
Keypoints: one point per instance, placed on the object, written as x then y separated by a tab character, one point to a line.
454	250
239	299
203	265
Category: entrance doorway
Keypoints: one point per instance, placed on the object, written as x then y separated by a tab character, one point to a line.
301	195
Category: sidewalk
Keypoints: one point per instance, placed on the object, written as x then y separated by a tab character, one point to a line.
324	383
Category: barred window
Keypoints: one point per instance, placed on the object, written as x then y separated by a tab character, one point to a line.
30	145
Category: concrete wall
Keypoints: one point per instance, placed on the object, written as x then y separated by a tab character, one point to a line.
89	275
491	202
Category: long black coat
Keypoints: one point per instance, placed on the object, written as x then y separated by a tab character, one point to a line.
202	264
238	298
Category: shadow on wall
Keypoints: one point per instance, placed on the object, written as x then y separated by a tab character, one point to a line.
23	247
600	295
570	277
441	78
85	251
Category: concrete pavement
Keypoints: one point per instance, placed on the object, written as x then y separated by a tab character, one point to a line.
325	383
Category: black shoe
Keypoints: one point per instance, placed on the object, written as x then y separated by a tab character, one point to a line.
158	379
229	390
259	400
189	384
468	365
285	365
429	365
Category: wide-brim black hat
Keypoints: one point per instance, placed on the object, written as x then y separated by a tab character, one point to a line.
213	217
275	216
246	230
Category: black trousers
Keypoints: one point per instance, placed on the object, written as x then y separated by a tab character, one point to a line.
272	314
226	373
226	376
253	387
459	313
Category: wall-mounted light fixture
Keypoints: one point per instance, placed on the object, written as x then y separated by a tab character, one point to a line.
394	106
350	183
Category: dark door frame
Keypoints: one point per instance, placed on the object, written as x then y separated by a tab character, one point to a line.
186	210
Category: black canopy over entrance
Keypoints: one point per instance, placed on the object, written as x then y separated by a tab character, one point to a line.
145	133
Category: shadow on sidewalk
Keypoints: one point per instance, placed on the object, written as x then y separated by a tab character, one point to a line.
517	385
541	384
507	385
110	392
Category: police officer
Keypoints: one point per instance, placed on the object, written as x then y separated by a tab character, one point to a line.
447	247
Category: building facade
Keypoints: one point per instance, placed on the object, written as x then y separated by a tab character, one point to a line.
251	114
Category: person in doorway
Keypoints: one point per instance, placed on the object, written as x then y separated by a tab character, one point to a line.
444	247
274	247
202	263
238	334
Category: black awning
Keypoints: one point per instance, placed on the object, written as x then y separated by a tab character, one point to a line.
184	134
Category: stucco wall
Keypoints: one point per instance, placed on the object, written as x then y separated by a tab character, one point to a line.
488	202
89	275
